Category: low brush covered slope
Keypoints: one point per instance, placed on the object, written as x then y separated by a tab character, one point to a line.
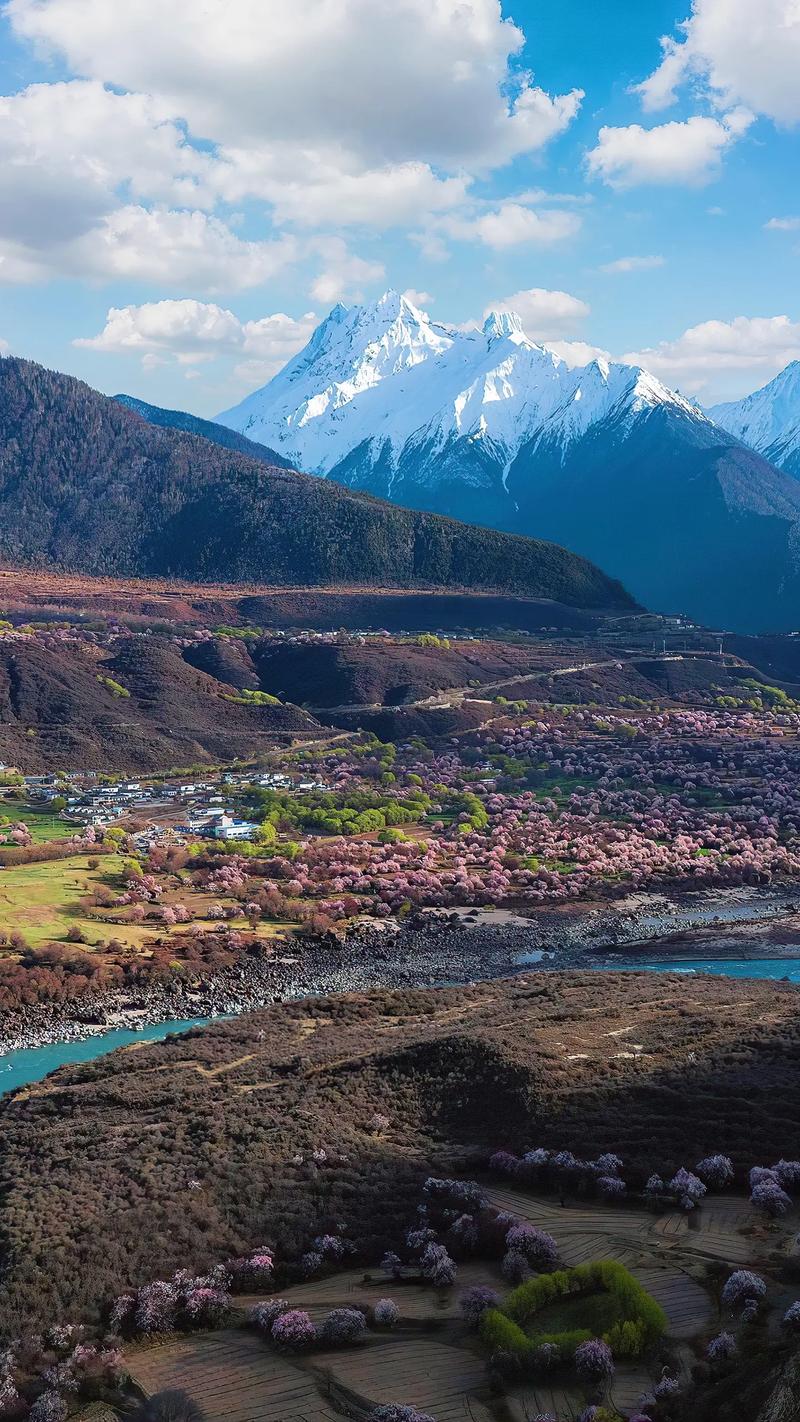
87	484
143	709
381	672
98	1160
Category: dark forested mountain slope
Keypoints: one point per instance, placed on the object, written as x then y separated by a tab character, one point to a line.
206	429
86	484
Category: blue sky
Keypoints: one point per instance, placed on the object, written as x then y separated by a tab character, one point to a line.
186	189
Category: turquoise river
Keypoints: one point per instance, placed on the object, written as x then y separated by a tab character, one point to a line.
21	1067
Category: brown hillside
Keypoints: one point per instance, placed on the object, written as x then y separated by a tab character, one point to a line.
97	1160
381	673
58	709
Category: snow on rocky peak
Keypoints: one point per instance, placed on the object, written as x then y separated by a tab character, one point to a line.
383	377
769	419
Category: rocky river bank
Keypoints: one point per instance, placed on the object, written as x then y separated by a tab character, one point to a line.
443	948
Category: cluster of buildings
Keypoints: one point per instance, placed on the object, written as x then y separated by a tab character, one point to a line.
177	810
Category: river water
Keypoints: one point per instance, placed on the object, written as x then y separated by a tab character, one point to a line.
777	969
19	1068
32	1063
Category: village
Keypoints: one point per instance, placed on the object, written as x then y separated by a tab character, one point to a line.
154	812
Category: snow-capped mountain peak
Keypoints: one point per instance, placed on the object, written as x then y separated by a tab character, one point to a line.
504	323
769	419
383	376
491	427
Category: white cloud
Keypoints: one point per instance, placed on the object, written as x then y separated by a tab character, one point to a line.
366	113
83	134
4	347
77	165
190	248
423	79
510	225
269	343
724	358
190	329
431	245
420	299
578	353
783	224
743	51
193	332
632	264
343	273
544	314
135	243
326	186
674	152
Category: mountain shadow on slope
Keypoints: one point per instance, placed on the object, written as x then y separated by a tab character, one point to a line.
686	516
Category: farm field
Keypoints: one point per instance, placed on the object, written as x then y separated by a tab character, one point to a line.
433	1363
233	1375
43	824
42	901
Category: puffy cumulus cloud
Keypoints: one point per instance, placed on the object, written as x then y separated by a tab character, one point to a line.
420	299
189	330
81	135
783	224
189	248
744	51
194	332
512	224
544	314
674	152
622	265
326	187
78	164
430	80
158	245
343	274
724	359
323	116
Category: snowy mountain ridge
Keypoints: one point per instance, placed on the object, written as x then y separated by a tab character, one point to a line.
490	427
385	374
769	419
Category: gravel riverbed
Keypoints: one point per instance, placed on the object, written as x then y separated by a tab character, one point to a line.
438	949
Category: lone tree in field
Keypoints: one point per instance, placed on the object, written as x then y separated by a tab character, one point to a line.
173	1405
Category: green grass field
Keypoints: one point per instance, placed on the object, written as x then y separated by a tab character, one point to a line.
41	901
42	823
597	1312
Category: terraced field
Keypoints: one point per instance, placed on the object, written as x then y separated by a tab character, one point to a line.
725	1230
435	1377
416	1301
234	1377
238	1377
